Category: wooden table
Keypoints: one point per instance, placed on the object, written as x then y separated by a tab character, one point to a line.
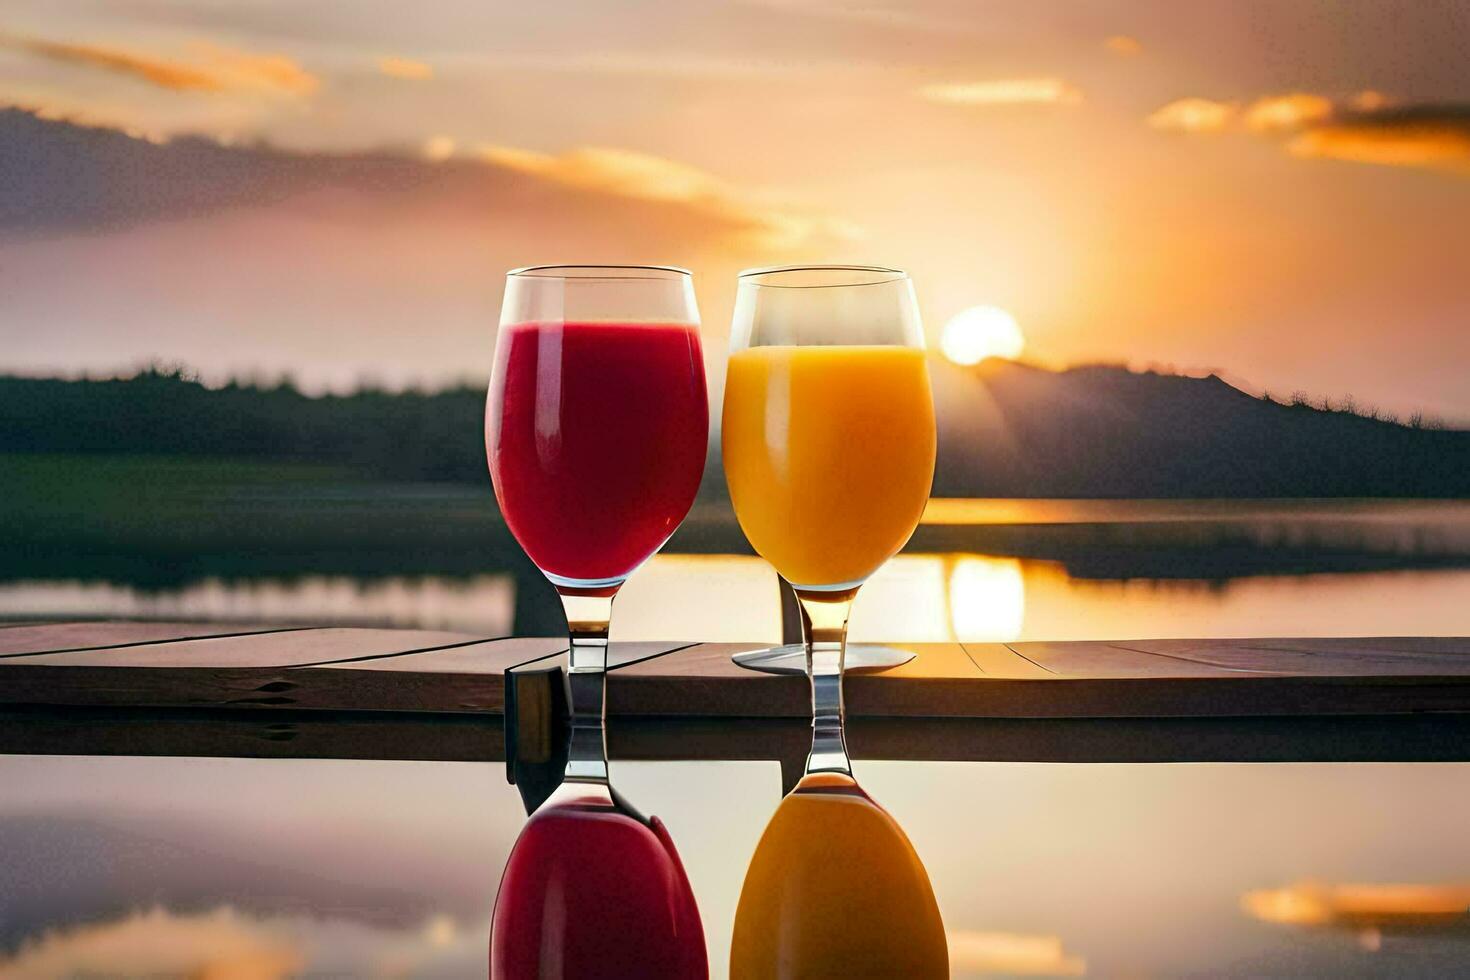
261	691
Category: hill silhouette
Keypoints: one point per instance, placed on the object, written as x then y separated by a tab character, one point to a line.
1010	429
1006	430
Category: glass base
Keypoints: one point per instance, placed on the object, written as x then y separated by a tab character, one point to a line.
860	658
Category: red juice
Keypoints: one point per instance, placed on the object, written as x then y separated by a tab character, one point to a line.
596	436
592	893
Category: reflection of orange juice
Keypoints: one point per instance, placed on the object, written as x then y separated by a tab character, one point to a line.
829	452
836	890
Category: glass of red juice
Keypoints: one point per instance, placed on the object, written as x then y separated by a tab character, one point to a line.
596	428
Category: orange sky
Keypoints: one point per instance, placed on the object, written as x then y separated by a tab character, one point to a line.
1279	191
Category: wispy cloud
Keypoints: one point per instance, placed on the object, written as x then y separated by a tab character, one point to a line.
1005	91
221	943
405	68
439	148
208	67
1366	127
1435	137
643	176
231	943
1194	115
1124	45
1283	113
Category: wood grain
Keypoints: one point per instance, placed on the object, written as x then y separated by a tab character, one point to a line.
22	639
285	649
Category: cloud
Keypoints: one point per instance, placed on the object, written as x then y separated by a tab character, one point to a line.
68	177
438	148
1279	113
157	943
1006	91
1366	127
1368	100
229	944
405	68
642	176
1354	905
1194	115
209	68
1431	136
1124	45
1013	954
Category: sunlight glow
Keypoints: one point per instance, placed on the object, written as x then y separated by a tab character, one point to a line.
987	598
980	332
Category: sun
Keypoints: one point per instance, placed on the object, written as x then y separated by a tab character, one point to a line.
981	331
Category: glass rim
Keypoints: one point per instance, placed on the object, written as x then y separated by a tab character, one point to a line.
885	274
572	272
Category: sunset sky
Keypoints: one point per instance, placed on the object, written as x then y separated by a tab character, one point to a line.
1276	190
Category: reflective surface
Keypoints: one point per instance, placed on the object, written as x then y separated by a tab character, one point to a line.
171	867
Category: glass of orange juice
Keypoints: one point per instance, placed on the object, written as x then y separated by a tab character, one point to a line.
828	441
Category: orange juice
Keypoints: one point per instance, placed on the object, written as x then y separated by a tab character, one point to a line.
836	890
829	452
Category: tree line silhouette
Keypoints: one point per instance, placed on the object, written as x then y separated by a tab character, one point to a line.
165	410
1086	432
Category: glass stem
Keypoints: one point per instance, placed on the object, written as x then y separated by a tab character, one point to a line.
587	625
824	631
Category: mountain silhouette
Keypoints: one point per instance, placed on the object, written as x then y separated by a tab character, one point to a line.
1010	429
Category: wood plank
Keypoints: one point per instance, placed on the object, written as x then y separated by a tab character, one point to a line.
246	671
996	660
373	670
270	734
1373	738
1065	680
33	638
400	670
1366	657
1104	659
302	647
478	738
703	681
464	678
490	657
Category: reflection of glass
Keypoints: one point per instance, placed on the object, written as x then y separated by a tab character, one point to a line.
835	889
829	440
593	889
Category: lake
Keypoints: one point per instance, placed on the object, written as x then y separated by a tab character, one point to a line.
975	570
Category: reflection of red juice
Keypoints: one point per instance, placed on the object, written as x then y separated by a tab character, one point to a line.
596	437
590	892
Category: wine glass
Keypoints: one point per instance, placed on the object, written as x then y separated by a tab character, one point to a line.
828	441
596	425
